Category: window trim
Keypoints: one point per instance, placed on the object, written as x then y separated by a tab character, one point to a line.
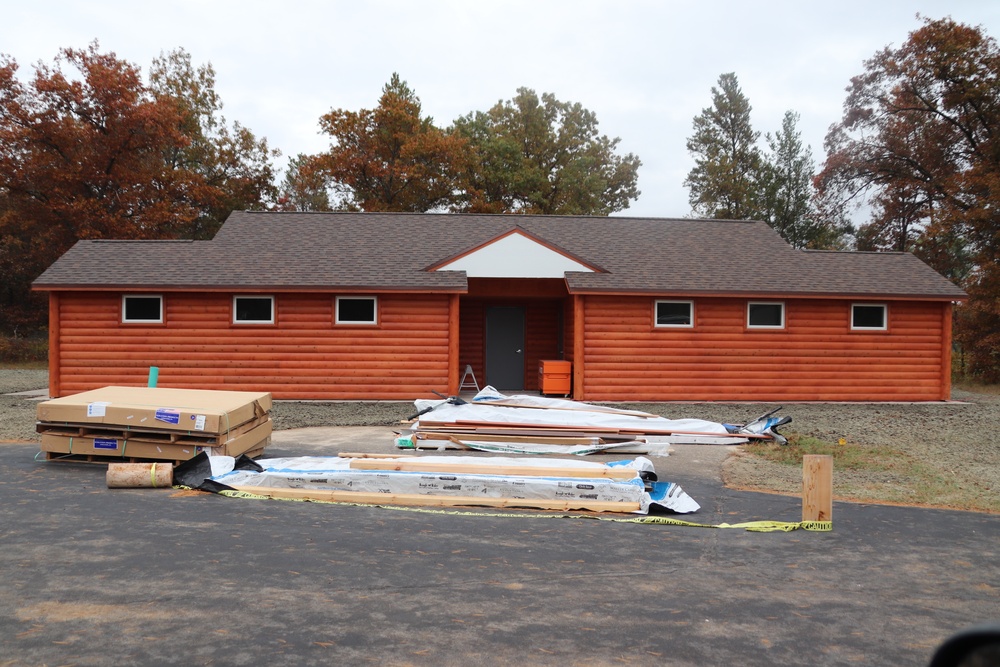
357	323
885	316
656	308
158	297
781	325
253	322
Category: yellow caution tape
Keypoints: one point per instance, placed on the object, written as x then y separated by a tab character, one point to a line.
751	526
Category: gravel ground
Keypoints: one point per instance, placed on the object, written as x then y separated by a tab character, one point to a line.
947	453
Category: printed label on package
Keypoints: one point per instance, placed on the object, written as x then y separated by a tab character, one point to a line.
97	409
199	422
168	416
105	443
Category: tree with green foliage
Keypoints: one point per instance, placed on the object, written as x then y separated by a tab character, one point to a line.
303	188
787	191
734	179
919	146
727	179
531	155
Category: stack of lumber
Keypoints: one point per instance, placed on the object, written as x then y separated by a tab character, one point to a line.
135	424
442	481
532	424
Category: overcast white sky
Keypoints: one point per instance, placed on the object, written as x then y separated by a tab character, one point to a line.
644	67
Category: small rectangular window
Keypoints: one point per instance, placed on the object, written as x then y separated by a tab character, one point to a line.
146	308
868	317
253	310
766	315
357	310
674	314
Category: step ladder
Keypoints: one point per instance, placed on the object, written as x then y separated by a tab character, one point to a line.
468	380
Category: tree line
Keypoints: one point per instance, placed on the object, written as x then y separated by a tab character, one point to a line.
913	166
89	149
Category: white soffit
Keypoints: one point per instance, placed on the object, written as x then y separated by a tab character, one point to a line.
515	256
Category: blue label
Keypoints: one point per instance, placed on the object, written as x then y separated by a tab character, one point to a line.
105	443
168	416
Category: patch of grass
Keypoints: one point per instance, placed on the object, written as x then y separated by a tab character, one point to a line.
882	474
846	455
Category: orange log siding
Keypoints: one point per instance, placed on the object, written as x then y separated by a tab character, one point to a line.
617	353
816	357
303	355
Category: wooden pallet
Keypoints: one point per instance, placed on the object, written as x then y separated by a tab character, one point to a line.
157	436
105	460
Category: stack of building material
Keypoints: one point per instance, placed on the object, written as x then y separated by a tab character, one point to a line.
536	425
137	424
435	481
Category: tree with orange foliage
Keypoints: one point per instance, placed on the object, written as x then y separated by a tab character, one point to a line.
81	157
919	145
89	151
390	158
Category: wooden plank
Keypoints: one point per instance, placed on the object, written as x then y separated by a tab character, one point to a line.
415	464
453	345
538	440
579	349
437	501
149	434
55	341
369	455
587	408
480	427
817	487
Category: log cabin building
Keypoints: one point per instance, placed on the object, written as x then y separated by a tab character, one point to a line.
351	306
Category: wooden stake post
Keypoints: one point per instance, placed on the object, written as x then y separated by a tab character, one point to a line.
817	487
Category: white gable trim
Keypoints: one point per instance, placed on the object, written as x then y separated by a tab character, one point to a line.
515	255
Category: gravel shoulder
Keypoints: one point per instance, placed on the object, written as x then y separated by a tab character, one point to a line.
951	445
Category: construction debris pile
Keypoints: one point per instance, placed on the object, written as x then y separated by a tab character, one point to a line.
494	422
134	424
552	484
213	437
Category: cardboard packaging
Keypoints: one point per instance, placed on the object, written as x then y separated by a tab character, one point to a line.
152	408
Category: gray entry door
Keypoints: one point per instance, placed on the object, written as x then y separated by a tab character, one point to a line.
505	347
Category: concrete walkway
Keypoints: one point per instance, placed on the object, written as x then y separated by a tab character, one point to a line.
93	576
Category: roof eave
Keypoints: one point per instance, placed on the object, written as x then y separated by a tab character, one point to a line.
762	294
342	289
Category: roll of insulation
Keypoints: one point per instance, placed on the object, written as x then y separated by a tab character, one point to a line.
140	475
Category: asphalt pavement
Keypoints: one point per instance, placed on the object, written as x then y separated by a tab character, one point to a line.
97	576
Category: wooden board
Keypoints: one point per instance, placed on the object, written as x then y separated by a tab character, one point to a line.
158	436
415	464
537	440
437	501
468	427
105	460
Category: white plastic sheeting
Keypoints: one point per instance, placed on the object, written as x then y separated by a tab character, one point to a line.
484	412
336	474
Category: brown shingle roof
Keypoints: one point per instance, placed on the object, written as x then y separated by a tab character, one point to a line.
390	251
